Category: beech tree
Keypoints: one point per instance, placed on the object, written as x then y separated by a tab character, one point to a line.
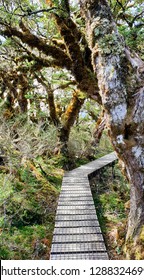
19	79
120	75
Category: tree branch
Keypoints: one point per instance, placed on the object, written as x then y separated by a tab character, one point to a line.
35	42
136	17
84	77
30	12
99	128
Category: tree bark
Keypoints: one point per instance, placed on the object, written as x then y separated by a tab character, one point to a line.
63	136
122	93
50	99
68	119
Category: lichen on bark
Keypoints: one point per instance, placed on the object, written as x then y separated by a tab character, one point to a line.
122	98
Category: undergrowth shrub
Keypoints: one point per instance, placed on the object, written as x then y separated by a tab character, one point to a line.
111	193
80	143
29	188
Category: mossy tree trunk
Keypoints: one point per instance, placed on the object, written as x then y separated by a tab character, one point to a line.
22	88
120	80
68	119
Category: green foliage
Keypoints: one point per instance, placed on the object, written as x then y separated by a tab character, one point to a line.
112	203
114	194
111	193
104	147
79	142
134	38
130	21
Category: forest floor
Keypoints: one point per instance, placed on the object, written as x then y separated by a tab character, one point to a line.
29	200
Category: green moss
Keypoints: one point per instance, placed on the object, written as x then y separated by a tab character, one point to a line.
29	242
142	235
28	214
134	249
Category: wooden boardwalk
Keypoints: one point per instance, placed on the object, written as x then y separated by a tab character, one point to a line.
77	234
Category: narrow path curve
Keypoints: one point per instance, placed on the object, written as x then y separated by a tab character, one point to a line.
77	234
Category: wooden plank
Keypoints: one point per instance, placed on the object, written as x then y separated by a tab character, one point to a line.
77	230
77	238
75	204
80	256
72	201
79	217
79	247
75	212
75	195
75	198
75	181
76	191
75	188
91	223
76	207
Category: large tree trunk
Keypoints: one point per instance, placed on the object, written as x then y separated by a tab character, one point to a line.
122	96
